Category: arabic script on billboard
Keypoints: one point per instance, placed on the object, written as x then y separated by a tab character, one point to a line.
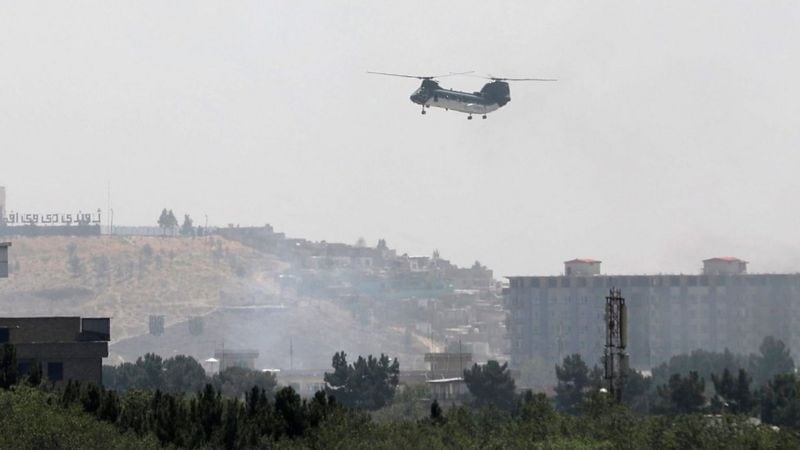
51	218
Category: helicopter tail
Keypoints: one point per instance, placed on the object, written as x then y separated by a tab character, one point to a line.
497	91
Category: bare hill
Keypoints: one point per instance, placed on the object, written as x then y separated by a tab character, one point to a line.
129	278
234	289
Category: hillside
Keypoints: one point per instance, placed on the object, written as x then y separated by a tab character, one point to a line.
232	287
130	278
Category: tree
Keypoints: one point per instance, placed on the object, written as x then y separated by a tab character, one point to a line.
183	374
8	366
780	403
187	229
774	359
538	414
366	384
733	394
491	384
573	381
701	361
163	221
237	381
683	395
289	408
436	413
172	221
635	390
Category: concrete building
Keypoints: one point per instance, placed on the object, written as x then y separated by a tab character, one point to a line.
726	265
2	204
582	267
4	259
236	358
449	390
67	348
551	317
448	365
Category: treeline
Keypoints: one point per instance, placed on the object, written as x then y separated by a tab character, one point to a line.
169	223
760	385
183	374
144	405
146	419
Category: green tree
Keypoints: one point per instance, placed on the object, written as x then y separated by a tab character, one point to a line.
34	420
733	394
635	390
289	409
8	366
237	381
34	375
573	382
436	413
780	403
683	395
537	415
774	358
187	229
183	374
366	384
701	361
163	221
172	222
491	384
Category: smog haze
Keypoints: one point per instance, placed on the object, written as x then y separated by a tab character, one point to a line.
671	135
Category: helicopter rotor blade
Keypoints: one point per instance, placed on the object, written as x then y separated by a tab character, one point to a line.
489	77
451	74
398	75
525	79
420	77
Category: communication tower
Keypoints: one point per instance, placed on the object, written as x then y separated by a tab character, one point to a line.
616	357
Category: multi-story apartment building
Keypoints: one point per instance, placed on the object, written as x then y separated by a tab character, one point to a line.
724	307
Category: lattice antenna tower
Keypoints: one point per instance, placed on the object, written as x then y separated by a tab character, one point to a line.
616	356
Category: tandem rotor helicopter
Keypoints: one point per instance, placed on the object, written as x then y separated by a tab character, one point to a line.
492	96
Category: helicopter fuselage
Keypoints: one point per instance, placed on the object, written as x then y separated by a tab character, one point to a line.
456	100
493	96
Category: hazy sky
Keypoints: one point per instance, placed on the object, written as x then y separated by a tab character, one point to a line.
673	134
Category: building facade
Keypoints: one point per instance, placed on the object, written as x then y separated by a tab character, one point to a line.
4	259
67	348
551	317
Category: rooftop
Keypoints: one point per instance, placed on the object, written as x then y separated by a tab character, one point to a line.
583	260
725	258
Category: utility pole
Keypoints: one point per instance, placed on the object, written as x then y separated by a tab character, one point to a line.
616	358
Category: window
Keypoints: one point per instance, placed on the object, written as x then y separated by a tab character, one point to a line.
3	335
55	371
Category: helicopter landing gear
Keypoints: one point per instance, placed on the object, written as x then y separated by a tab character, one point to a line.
469	117
484	116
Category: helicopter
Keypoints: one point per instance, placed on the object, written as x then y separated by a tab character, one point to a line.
492	96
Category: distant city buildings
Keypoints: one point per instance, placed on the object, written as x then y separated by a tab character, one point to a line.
551	317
